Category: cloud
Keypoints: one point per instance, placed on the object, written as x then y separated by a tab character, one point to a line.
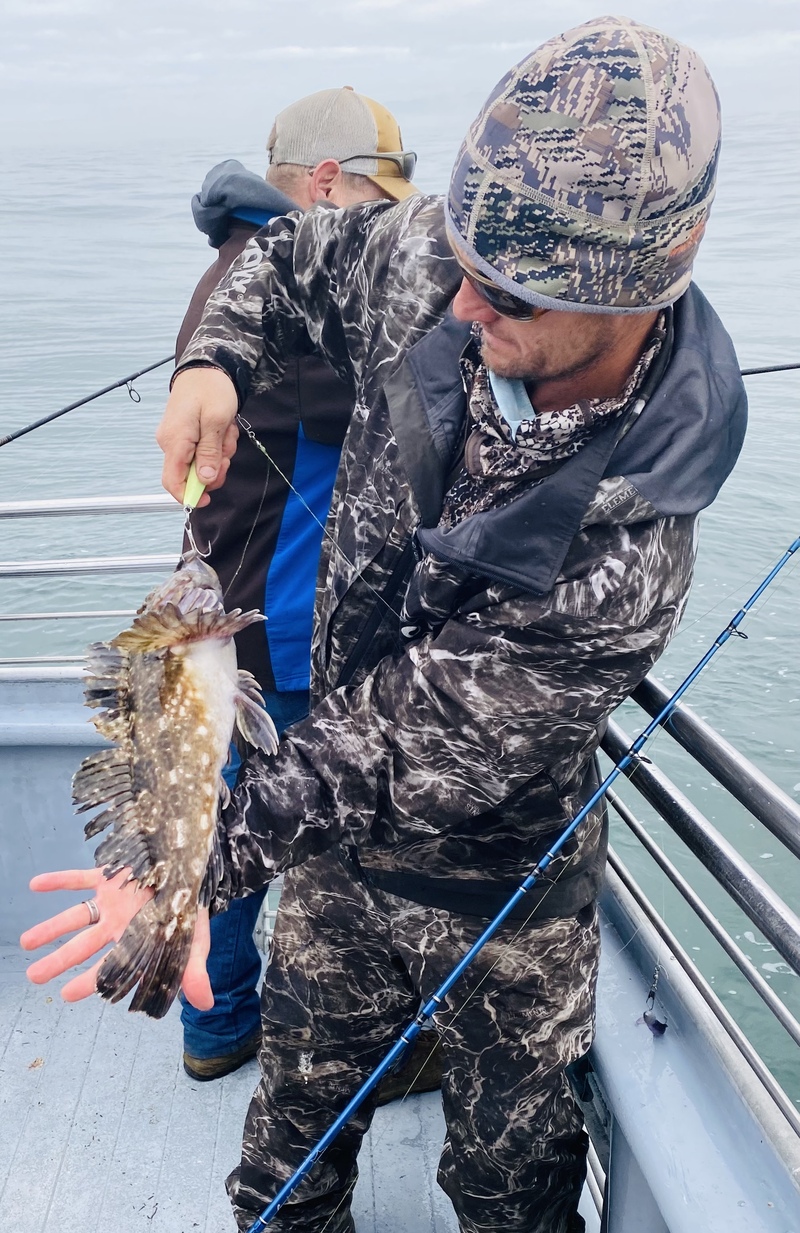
755	45
48	8
415	8
294	52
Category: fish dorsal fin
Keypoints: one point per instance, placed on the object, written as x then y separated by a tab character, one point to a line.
106	687
169	626
252	720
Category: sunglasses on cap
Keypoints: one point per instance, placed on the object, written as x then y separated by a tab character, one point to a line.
503	302
406	160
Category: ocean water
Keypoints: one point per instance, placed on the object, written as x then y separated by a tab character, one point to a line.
99	256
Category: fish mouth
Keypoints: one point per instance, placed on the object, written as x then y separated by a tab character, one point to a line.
193	587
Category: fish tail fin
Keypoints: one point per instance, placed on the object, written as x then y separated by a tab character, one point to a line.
152	953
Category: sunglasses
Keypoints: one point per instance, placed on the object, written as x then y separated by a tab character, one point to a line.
503	302
406	160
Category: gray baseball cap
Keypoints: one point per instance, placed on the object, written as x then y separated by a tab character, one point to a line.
359	133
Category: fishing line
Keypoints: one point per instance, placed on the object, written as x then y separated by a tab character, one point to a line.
427	1012
251	532
251	434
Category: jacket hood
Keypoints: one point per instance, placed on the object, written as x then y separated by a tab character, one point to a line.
229	187
673	461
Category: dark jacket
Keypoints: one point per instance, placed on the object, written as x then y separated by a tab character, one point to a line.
264	542
463	743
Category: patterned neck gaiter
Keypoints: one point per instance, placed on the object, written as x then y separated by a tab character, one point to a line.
497	464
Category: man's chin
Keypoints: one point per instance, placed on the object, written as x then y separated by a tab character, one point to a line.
496	363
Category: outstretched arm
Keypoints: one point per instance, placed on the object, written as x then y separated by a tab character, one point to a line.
313	283
117	901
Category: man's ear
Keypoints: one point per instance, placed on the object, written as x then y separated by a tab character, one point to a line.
323	178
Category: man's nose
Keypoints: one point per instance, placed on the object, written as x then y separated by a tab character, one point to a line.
469	306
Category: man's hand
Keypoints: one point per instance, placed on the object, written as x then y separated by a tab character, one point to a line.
198	423
117	902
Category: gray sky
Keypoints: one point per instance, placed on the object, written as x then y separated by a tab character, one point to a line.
105	73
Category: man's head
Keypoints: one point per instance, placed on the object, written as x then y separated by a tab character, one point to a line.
339	146
582	190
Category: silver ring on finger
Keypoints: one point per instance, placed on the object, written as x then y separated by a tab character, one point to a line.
94	911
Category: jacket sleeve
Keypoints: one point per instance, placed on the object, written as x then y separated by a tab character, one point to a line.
459	722
317	282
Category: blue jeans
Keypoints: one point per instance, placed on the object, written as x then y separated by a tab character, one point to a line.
234	962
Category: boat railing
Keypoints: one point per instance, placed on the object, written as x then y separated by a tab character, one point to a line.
751	894
65	568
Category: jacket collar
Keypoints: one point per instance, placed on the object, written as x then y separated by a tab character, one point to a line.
677	454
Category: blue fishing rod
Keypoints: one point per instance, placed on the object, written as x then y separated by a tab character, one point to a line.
409	1035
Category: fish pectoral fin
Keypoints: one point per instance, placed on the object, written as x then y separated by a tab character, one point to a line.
224	793
215	871
252	720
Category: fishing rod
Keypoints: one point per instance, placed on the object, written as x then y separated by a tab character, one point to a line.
752	372
436	999
14	436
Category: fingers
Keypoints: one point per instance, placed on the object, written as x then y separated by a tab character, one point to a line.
83	985
76	950
196	985
55	927
196	424
229	440
67	879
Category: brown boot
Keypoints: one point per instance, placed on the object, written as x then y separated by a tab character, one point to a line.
421	1072
206	1068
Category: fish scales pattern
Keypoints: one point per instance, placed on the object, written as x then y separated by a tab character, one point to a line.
167	693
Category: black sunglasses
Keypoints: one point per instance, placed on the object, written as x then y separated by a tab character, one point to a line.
503	302
406	160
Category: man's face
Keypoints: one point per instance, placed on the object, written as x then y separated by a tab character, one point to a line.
552	345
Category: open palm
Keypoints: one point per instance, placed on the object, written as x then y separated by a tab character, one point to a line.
118	901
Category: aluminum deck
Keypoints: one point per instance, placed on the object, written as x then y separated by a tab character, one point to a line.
101	1129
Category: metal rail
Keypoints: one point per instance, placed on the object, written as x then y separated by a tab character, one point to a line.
61	616
748	969
87	565
595	1178
749	891
67	507
722	1016
751	787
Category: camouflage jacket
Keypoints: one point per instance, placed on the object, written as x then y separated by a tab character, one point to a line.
461	742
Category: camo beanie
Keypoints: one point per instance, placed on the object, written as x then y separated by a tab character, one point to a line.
586	181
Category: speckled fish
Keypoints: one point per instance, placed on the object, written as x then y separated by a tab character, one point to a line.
170	694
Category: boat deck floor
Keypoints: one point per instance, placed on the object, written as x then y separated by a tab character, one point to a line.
101	1129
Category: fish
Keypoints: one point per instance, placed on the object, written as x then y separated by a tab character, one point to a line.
168	694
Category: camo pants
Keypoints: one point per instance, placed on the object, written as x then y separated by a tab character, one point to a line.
348	968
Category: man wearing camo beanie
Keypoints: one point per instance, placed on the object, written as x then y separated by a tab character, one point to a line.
544	403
